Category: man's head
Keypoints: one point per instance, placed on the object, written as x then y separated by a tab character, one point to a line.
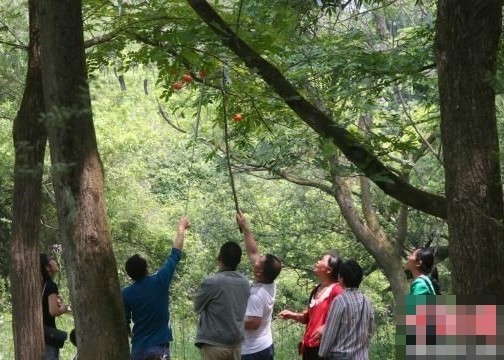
230	255
136	267
350	274
268	269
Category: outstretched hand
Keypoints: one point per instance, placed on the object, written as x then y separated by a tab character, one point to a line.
183	223
285	314
240	220
182	227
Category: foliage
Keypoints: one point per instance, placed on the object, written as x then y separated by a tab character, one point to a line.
147	188
334	54
13	29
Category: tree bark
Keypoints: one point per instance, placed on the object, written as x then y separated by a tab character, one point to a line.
468	34
29	142
373	239
79	185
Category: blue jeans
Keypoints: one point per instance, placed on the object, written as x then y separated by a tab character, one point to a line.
154	353
266	354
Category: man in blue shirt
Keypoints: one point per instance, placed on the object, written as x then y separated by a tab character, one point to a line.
146	301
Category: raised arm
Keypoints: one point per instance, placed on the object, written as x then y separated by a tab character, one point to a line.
250	243
182	227
165	273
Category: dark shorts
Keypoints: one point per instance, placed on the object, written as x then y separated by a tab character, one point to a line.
266	354
311	353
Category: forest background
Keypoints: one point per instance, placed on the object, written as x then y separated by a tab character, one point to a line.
165	96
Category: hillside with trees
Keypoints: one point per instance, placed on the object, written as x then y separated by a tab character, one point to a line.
369	127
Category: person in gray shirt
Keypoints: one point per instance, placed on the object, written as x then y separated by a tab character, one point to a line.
220	302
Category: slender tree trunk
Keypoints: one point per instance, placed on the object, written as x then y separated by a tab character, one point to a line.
468	34
375	241
79	185
29	142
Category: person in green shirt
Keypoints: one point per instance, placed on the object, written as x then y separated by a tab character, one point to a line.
421	265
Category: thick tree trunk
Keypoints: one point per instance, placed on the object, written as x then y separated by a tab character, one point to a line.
29	142
468	34
78	182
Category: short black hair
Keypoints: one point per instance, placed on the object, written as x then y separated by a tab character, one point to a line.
334	263
351	273
230	254
271	268
136	267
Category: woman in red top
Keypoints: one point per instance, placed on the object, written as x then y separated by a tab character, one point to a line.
326	269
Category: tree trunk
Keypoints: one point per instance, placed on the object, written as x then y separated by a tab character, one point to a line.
369	232
468	34
374	240
79	185
29	142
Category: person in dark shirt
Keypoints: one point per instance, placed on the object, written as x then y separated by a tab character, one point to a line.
52	303
146	302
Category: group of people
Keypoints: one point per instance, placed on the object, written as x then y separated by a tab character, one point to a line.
234	317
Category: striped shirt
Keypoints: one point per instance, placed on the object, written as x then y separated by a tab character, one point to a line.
349	326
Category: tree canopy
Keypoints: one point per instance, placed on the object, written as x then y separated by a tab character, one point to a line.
356	125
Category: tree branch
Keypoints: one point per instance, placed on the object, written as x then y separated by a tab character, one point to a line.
165	117
322	123
306	182
100	39
16	46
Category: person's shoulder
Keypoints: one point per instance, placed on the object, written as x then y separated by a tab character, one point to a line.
267	290
419	287
262	290
51	287
337	289
234	274
212	278
241	279
128	291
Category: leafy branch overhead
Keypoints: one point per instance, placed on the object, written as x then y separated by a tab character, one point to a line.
319	121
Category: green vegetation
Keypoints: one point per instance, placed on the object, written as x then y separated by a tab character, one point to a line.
342	107
150	170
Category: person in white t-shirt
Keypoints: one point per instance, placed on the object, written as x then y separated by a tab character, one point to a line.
258	342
